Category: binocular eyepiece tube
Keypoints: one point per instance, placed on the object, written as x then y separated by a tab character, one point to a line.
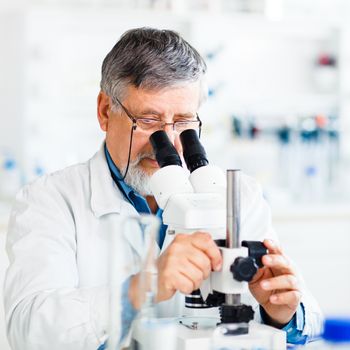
166	154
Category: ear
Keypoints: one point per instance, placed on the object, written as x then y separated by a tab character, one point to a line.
104	106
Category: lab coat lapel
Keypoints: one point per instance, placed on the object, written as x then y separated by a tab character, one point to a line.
105	195
106	199
131	229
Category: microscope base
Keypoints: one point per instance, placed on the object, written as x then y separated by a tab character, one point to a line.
185	338
269	338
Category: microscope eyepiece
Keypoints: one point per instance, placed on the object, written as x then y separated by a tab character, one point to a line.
193	151
166	153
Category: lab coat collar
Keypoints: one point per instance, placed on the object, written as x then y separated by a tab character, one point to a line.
105	195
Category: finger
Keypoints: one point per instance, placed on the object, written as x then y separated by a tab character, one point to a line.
183	284
201	261
291	298
194	274
205	243
280	282
279	262
272	246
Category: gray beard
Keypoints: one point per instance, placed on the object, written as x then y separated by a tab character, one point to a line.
136	177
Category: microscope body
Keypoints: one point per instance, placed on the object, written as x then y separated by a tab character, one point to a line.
187	211
198	203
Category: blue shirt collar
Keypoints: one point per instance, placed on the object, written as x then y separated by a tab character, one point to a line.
138	201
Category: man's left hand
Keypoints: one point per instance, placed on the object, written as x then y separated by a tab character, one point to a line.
275	286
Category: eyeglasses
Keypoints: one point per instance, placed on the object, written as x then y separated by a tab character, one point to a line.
151	125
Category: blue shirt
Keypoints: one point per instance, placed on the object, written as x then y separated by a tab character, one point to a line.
294	329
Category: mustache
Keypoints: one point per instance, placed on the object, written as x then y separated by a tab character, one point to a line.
135	163
142	156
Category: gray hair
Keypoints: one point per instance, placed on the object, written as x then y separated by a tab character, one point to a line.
151	59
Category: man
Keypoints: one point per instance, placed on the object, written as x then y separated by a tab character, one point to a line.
56	286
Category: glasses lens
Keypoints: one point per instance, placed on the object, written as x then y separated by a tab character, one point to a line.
149	124
182	126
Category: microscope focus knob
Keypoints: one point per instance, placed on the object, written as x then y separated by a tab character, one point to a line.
244	269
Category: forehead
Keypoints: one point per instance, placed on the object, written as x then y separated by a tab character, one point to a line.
175	99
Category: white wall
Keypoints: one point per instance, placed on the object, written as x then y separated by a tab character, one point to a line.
11	83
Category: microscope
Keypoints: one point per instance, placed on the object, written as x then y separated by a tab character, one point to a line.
206	200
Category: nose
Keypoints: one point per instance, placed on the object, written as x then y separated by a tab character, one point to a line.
174	137
169	129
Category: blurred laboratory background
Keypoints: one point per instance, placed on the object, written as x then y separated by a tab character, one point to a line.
278	107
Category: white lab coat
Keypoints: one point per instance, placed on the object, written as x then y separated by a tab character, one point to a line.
56	285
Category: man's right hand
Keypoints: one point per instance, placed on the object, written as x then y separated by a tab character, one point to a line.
187	261
183	266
